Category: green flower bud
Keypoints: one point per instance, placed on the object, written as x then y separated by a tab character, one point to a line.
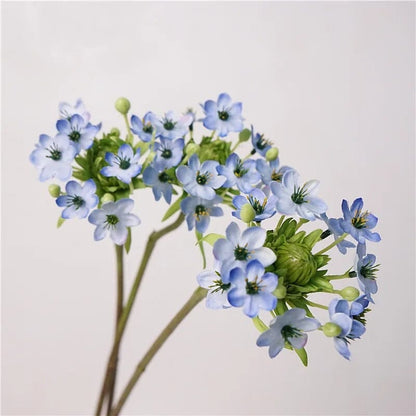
247	213
280	292
331	330
107	198
244	135
122	105
272	154
54	190
350	293
295	262
115	132
191	148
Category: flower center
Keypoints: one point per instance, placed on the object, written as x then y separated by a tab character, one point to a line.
169	125
368	271
241	253
262	143
111	220
76	201
202	178
223	115
299	194
147	128
239	171
54	153
289	332
252	288
163	177
166	153
257	206
359	220
124	163
219	285
276	176
75	136
200	210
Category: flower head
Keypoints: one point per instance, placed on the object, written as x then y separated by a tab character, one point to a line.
295	199
223	115
242	174
358	223
239	248
289	327
115	218
335	229
172	126
124	165
160	183
66	110
217	289
78	199
143	128
271	171
198	211
200	179
251	289
263	207
366	270
53	157
79	132
260	144
168	153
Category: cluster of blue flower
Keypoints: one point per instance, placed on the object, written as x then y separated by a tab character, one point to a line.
254	268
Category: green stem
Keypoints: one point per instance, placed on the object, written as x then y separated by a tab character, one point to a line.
235	146
259	324
300	223
316	305
200	242
151	243
195	298
337	276
119	309
337	241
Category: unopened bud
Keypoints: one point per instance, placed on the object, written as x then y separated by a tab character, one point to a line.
54	190
107	198
247	213
244	135
331	330
115	132
349	293
280	292
272	154
122	105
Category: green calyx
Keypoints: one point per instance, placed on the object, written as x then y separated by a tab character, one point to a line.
210	149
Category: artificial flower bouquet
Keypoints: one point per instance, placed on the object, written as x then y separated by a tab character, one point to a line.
271	274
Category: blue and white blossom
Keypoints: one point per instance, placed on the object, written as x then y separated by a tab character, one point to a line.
79	200
271	171
168	153
200	179
53	156
341	314
67	110
335	229
252	289
143	128
358	223
217	289
198	211
124	165
241	174
114	218
79	131
289	327
295	199
223	116
160	183
366	270
172	126
264	207
260	144
237	249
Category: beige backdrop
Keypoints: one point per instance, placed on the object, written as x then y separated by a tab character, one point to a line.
332	83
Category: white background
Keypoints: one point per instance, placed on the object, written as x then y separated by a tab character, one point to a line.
331	83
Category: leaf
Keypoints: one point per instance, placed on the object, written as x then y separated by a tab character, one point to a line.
212	238
312	238
244	135
127	244
60	222
173	208
302	355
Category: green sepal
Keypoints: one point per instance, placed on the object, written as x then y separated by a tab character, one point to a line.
60	222
173	208
259	324
321	260
298	237
312	238
121	193
244	135
82	175
127	244
301	303
138	183
211	238
281	307
302	355
322	283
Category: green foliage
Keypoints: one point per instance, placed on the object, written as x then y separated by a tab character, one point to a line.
210	149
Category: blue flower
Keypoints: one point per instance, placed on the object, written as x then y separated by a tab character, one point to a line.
242	174
342	314
260	144
252	289
357	223
217	289
79	132
366	270
160	183
335	229
198	211
223	116
78	199
124	166
143	128
66	110
200	180
168	153
289	327
239	248
271	171
53	157
263	207
172	126
295	199
114	217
